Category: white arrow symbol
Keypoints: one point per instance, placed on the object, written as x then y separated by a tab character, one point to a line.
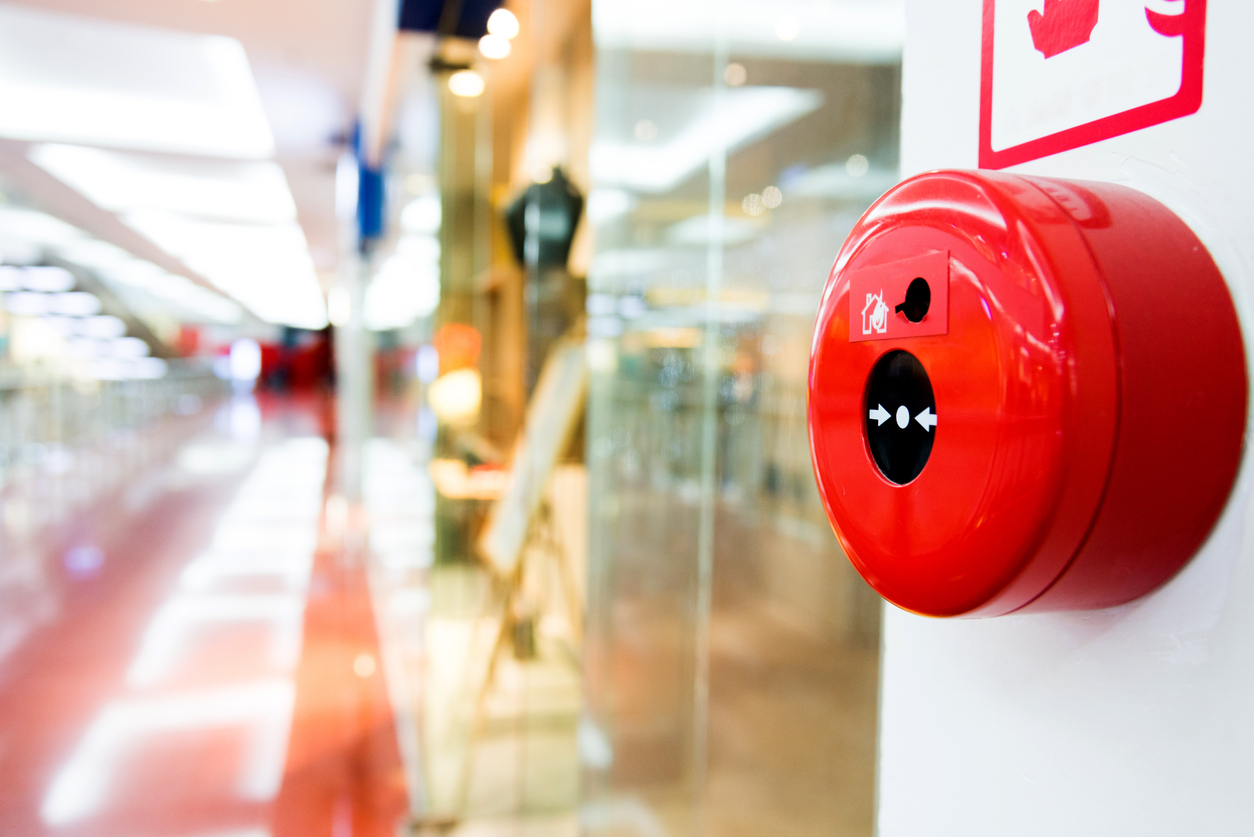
880	415
926	418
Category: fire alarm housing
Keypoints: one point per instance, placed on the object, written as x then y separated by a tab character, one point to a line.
1025	394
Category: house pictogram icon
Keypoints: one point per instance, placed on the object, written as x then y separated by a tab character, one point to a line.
875	314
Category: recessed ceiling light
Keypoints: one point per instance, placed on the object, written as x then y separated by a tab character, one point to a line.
266	267
494	46
118	181
466	83
503	24
77	79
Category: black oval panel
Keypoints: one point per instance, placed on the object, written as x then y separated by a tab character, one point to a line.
900	413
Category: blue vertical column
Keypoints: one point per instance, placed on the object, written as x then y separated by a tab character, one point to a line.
354	349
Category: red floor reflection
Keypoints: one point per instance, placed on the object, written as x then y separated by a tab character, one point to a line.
196	655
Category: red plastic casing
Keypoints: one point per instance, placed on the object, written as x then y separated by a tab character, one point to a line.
1090	389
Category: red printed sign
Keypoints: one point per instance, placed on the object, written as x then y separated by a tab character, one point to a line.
1060	74
907	298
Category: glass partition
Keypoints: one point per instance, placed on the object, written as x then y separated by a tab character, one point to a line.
731	660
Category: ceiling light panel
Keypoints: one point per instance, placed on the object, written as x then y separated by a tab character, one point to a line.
691	125
75	79
266	267
215	246
118	181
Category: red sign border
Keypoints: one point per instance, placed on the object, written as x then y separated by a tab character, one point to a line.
1189	24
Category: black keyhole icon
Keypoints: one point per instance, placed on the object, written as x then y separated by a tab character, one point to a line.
918	300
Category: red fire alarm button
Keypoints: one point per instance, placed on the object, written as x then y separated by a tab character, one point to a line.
1025	394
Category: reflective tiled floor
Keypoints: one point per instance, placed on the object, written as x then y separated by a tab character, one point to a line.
194	653
508	765
213	643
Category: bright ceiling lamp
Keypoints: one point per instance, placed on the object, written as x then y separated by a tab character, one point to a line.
76	79
186	237
283	294
466	83
494	47
503	24
266	267
118	181
743	115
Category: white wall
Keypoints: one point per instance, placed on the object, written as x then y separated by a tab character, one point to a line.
1137	720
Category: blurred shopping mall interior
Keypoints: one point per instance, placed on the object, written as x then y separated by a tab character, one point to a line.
403	416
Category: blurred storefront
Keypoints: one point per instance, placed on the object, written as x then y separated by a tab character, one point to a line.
404	423
542	277
731	664
717	671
